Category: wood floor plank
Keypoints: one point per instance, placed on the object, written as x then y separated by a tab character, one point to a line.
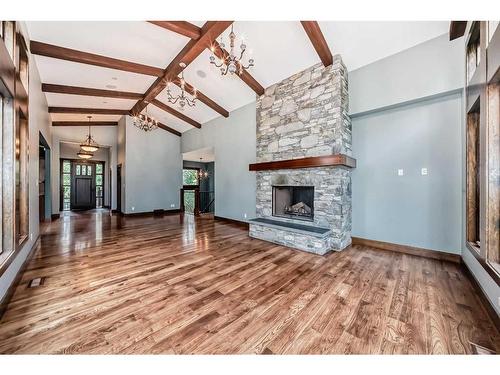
183	285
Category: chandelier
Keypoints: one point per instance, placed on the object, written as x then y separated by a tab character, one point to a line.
202	173
84	155
89	145
145	122
229	61
183	99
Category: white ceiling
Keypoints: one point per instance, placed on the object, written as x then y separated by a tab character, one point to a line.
280	49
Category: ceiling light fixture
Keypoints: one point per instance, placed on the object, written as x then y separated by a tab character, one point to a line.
183	99
84	154
89	145
202	173
145	122
229	61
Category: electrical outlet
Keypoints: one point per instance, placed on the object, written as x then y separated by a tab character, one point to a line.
133	208
401	172
172	205
424	171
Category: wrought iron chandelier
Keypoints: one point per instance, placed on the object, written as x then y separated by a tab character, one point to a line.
229	61
145	122
202	173
89	145
183	99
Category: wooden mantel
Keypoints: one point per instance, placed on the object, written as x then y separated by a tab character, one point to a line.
337	160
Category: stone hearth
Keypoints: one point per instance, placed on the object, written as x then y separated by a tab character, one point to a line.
302	116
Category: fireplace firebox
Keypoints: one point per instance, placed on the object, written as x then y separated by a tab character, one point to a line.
294	202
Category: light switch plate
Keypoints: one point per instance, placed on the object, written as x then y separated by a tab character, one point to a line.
424	172
401	172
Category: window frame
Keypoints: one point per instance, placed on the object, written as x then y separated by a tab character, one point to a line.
191	187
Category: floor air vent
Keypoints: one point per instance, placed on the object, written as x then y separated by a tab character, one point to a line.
37	281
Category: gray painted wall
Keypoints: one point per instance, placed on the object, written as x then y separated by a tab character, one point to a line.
430	68
39	122
406	113
153	169
234	142
416	210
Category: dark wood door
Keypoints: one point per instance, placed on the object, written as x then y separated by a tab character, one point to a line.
83	186
119	188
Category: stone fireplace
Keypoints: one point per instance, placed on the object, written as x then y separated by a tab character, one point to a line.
303	161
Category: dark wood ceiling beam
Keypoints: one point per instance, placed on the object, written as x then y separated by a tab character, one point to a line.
96	111
84	123
209	32
318	41
457	29
175	113
180	27
202	98
107	62
49	50
169	129
85	91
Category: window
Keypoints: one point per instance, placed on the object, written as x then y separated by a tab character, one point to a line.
99	185
66	184
493	168
14	141
22	179
8	36
473	51
473	177
190	177
8	150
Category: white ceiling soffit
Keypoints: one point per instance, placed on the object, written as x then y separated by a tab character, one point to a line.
206	155
280	49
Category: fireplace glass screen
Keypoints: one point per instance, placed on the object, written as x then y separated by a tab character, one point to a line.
294	202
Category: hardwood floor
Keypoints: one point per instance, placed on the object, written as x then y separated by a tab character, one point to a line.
179	285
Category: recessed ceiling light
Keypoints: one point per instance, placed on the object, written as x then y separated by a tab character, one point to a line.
201	73
105	102
111	86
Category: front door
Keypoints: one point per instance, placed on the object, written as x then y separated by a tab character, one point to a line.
83	188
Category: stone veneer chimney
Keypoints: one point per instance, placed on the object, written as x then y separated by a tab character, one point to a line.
306	115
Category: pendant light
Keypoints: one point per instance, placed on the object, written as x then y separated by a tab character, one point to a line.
89	145
84	154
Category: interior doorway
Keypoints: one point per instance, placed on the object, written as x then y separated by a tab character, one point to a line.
44	195
119	188
198	175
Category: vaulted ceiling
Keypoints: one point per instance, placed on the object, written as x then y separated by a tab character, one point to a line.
280	49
